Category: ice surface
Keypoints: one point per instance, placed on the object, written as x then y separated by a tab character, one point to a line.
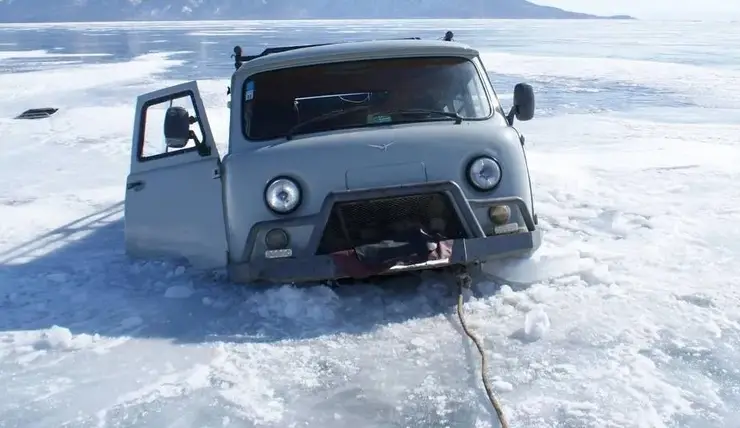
626	318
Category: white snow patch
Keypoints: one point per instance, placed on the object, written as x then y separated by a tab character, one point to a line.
55	338
179	292
316	304
536	323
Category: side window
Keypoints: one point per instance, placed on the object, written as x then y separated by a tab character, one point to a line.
154	144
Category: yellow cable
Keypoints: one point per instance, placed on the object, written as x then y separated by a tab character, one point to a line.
484	363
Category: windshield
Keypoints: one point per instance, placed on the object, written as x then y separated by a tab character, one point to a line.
300	100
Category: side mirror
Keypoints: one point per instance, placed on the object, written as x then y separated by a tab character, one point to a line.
177	127
523	108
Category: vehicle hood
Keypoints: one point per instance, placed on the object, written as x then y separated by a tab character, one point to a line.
399	154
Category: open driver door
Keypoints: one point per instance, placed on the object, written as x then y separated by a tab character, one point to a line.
174	199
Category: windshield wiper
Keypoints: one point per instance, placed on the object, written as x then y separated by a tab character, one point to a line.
321	118
419	111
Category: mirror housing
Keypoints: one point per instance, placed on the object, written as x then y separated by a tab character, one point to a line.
523	107
177	127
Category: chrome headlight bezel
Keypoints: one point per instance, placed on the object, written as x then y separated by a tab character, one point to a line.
474	168
292	189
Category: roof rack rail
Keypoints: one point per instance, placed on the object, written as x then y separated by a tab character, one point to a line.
240	59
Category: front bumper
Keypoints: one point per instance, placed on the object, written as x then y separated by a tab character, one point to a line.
306	266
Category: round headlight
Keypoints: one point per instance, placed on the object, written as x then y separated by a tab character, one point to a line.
484	173
283	195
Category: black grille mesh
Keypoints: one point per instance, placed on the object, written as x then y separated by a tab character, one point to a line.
356	223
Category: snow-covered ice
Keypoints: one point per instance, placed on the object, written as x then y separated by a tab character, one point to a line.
627	317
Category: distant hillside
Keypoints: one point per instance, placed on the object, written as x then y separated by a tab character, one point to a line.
165	10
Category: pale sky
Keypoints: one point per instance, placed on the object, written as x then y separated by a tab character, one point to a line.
653	9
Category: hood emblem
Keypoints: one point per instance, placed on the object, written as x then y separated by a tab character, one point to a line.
383	147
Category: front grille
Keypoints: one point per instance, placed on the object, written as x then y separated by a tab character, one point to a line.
356	223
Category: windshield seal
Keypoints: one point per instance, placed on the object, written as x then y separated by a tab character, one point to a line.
302	90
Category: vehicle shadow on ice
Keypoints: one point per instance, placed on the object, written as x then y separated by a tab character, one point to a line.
83	281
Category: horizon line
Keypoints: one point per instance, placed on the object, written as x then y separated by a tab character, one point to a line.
180	21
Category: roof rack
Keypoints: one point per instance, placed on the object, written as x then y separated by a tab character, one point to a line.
240	59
